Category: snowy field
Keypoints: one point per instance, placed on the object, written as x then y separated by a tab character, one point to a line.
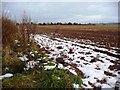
97	66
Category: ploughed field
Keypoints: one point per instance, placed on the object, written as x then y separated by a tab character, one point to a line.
91	52
102	35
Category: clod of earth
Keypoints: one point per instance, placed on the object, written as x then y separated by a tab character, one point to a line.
59	47
109	74
70	59
65	56
91	84
70	51
73	65
60	60
102	81
112	67
82	58
79	72
93	60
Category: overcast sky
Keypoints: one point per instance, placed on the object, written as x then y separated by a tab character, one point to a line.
81	12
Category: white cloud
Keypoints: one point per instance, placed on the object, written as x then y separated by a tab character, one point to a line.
89	19
60	0
94	17
92	6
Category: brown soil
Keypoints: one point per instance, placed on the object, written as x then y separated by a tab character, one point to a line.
101	35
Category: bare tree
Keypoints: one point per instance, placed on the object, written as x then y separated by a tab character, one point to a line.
23	29
27	28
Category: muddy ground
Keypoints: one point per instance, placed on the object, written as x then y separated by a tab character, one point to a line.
102	35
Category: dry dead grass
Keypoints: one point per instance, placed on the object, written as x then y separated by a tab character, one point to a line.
9	31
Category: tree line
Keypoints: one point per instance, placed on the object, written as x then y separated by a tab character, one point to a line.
59	23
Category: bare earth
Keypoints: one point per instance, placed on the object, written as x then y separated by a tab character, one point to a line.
92	52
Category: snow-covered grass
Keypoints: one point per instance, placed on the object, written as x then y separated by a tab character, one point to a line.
23	58
91	63
37	78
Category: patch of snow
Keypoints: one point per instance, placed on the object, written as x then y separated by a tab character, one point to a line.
111	81
7	75
76	85
85	81
106	86
60	66
98	84
23	58
31	64
32	54
49	67
36	51
58	77
17	41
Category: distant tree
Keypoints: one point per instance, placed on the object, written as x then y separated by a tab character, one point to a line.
39	23
75	23
69	23
31	22
44	23
65	24
51	23
59	23
47	23
54	23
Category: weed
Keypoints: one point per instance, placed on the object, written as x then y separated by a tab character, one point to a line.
14	64
34	78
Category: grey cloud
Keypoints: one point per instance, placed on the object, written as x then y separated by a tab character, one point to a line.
82	12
